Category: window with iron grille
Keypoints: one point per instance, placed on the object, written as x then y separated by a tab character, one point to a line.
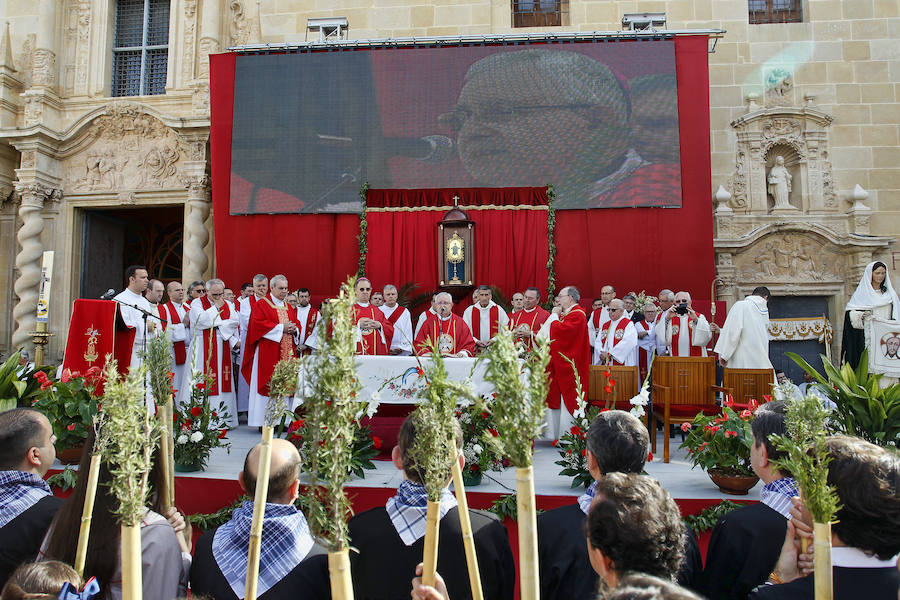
540	13
775	11
140	47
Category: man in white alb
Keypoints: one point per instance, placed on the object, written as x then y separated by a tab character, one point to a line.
137	311
616	339
484	318
600	315
260	288
398	316
683	331
744	340
307	316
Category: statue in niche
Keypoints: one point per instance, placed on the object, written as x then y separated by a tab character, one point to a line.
779	181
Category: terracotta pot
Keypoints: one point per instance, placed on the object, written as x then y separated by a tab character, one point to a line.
70	456
736	485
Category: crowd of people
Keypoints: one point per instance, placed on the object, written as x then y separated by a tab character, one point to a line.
623	538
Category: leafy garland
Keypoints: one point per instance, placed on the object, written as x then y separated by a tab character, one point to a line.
551	243
363	237
707	518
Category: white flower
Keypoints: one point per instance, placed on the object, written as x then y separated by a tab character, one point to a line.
372	405
638	411
182	439
196	436
477	448
641	399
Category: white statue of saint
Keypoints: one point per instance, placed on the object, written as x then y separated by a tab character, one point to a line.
780	183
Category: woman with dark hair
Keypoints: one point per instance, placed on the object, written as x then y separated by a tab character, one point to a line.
165	544
874	297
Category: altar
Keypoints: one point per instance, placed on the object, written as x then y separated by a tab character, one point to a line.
398	379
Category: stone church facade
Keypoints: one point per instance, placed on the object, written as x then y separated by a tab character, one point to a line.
818	85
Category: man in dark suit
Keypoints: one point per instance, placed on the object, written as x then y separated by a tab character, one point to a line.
390	539
616	442
746	542
27	506
291	564
865	535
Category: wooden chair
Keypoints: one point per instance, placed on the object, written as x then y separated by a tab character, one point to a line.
683	387
746	384
628	384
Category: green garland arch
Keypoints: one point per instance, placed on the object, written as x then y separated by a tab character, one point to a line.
363	237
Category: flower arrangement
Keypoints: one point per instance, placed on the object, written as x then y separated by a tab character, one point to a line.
198	429
476	424
721	442
572	445
69	403
641	300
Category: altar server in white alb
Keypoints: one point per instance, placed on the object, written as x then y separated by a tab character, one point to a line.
216	327
307	316
484	318
176	322
744	340
683	331
398	316
617	338
134	308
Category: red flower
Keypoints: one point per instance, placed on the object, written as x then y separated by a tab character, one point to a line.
175	418
493	431
612	382
222	433
730	433
376	441
474	467
715	428
729	402
575	430
607	389
568	452
295	425
767	397
753	405
321	443
649	457
584	452
187	424
46	384
171	376
685	426
702	446
200	385
484	415
66	374
196	411
554	443
746	414
419	371
607	373
214	415
96	371
71	426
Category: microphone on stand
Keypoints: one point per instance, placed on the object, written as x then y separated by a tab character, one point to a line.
108	295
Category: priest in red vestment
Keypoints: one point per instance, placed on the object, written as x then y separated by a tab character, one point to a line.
271	335
374	332
446	330
484	318
526	323
617	338
568	339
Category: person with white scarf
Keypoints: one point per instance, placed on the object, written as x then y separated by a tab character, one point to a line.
874	297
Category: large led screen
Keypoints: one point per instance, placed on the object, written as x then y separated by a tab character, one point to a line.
598	120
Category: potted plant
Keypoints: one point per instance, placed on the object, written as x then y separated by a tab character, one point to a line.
721	445
198	429
70	404
18	385
476	424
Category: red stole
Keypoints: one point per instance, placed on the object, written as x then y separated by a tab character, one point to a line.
370	342
264	317
533	319
311	317
398	312
617	336
172	318
493	319
675	324
211	360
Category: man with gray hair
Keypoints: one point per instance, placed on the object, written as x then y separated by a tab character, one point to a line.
215	326
272	335
682	330
446	331
260	287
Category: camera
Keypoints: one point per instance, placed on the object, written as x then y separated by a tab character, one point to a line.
681	309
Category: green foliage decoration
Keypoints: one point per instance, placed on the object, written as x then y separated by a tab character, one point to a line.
708	517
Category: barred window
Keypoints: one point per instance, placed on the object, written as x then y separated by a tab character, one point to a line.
140	47
540	13
775	11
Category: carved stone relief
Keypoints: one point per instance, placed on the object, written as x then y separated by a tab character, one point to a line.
779	87
26	59
34	108
200	99
188	48
240	24
207	46
83	49
790	258
129	149
43	68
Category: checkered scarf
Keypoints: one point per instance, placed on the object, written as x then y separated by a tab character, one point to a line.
19	490
777	495
285	542
408	508
584	500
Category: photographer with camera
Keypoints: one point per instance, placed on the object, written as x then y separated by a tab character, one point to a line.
685	332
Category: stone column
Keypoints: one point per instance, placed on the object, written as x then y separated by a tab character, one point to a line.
196	236
28	261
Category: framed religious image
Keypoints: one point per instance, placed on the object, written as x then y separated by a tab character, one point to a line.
883	342
456	259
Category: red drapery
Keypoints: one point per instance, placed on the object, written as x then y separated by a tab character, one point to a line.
511	244
630	248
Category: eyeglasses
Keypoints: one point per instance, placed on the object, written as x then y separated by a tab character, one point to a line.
499	113
211	295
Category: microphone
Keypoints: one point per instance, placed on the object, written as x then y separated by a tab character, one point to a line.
108	295
429	148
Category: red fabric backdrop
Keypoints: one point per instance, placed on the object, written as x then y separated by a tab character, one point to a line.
510	245
630	248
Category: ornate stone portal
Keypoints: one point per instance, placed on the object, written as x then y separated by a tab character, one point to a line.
813	244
